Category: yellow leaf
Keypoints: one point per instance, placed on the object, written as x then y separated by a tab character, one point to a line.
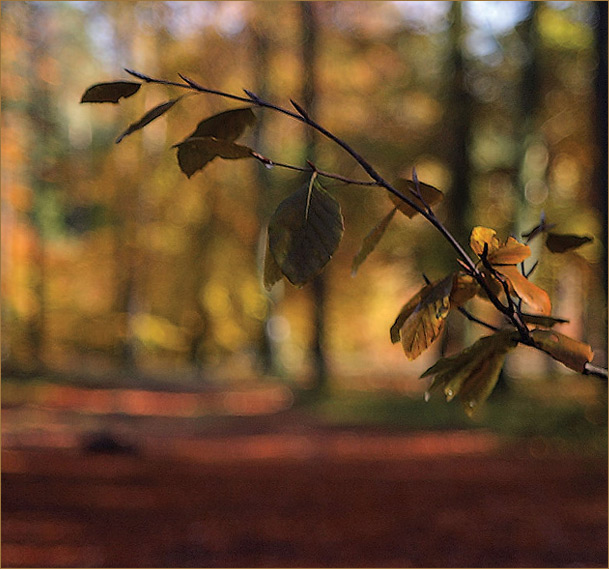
508	253
481	235
422	319
473	373
405	312
572	353
430	195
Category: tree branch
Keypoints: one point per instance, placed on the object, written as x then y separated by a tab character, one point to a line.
511	310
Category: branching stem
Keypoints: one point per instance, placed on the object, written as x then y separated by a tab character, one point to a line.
511	311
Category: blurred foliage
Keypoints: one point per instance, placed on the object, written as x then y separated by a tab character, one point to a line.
112	258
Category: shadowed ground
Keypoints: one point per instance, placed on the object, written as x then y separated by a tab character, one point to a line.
285	490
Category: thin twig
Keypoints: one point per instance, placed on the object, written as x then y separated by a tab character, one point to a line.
270	163
473	318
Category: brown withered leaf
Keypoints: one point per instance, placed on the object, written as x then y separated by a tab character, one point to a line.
422	319
572	353
152	114
430	195
213	137
562	242
110	92
371	241
473	373
304	232
228	125
194	153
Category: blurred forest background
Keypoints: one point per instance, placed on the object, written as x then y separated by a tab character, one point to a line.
112	260
161	409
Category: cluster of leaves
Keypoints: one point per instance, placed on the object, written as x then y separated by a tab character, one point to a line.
307	227
473	373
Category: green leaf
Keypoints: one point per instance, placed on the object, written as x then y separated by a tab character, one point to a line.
473	373
430	195
422	319
371	241
228	125
272	272
195	153
572	353
303	239
560	243
152	114
110	92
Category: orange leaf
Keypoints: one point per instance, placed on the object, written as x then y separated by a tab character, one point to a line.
509	254
531	294
566	350
464	288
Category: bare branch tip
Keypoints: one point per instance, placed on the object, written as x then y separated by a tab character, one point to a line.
300	110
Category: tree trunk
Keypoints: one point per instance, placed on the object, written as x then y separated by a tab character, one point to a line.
459	201
310	36
267	357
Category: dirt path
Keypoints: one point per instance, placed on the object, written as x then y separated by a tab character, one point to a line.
304	498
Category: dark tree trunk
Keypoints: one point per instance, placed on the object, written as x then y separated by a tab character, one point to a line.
459	201
310	36
267	358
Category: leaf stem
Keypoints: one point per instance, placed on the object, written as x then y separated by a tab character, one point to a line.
269	162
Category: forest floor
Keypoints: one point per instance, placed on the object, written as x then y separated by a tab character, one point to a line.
288	489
